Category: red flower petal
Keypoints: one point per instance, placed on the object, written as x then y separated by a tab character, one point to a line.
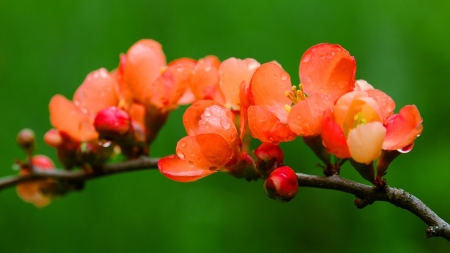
328	69
403	128
305	117
333	137
268	86
68	118
180	170
265	126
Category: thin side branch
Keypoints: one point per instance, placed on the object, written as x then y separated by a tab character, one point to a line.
365	194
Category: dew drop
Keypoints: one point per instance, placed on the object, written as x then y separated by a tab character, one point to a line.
179	69
284	77
180	154
183	144
299	116
208	68
306	58
225	124
333	53
207	113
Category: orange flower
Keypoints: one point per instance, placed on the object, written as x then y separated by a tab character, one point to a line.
267	116
356	129
32	192
403	128
327	72
76	118
212	145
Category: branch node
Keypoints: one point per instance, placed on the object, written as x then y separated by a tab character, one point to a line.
433	231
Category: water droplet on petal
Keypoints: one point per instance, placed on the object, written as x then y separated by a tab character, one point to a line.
208	68
180	154
333	53
207	113
306	58
284	77
299	116
225	124
183	144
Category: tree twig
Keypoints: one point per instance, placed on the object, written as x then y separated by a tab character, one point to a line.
141	163
365	194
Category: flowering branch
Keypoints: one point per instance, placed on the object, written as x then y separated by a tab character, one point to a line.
365	194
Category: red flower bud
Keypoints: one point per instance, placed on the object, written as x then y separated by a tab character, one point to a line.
282	184
25	138
112	123
269	158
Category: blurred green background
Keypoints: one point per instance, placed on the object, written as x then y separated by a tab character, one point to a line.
48	47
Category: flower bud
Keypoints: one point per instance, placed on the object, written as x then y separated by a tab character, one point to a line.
112	123
269	158
25	138
282	184
53	138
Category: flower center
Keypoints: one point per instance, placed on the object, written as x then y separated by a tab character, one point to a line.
359	119
295	95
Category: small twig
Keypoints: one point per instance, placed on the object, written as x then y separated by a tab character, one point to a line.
365	194
368	194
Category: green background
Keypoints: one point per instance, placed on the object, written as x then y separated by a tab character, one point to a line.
48	47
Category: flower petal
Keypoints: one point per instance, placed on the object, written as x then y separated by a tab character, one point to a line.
328	69
265	126
362	85
305	117
385	102
232	72
180	170
333	137
268	86
193	115
365	142
143	65
204	81
97	92
206	151
68	118
219	120
403	128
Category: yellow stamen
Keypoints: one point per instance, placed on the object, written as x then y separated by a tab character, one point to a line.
287	108
295	95
359	119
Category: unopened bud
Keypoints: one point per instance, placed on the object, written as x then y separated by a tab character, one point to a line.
26	139
53	138
269	158
112	123
282	184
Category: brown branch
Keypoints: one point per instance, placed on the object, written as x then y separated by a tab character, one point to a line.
365	194
142	163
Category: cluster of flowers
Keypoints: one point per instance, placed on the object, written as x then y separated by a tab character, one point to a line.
233	102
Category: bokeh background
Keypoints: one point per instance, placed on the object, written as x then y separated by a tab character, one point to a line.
48	47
